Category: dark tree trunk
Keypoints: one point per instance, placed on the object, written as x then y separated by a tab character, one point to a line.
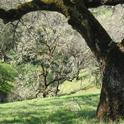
3	97
57	88
111	59
112	93
45	94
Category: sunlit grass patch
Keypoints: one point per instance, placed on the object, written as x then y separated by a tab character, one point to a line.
57	110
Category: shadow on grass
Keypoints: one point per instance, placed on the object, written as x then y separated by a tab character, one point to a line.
47	113
68	117
59	117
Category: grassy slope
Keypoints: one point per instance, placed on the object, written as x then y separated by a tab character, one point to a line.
71	109
74	106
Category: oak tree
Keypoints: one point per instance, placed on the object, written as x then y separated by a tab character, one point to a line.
109	54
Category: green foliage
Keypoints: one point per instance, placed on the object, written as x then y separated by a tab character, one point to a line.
27	73
7	76
55	60
8	38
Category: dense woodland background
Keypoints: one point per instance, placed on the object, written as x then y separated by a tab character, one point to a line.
41	51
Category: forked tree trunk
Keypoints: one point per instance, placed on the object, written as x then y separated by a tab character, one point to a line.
111	59
109	55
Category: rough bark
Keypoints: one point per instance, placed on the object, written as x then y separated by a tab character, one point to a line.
113	78
109	54
51	5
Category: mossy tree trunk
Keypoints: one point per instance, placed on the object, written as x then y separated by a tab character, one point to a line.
109	54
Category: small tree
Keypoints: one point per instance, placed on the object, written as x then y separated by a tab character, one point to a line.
59	61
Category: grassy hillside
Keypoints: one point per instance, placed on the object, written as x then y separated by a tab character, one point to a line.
76	104
71	109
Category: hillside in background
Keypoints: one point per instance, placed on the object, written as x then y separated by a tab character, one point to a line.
78	108
25	58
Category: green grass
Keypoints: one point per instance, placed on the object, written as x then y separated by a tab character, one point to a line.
58	110
69	109
78	87
74	105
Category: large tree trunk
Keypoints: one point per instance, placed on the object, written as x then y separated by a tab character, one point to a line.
109	55
111	59
112	93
